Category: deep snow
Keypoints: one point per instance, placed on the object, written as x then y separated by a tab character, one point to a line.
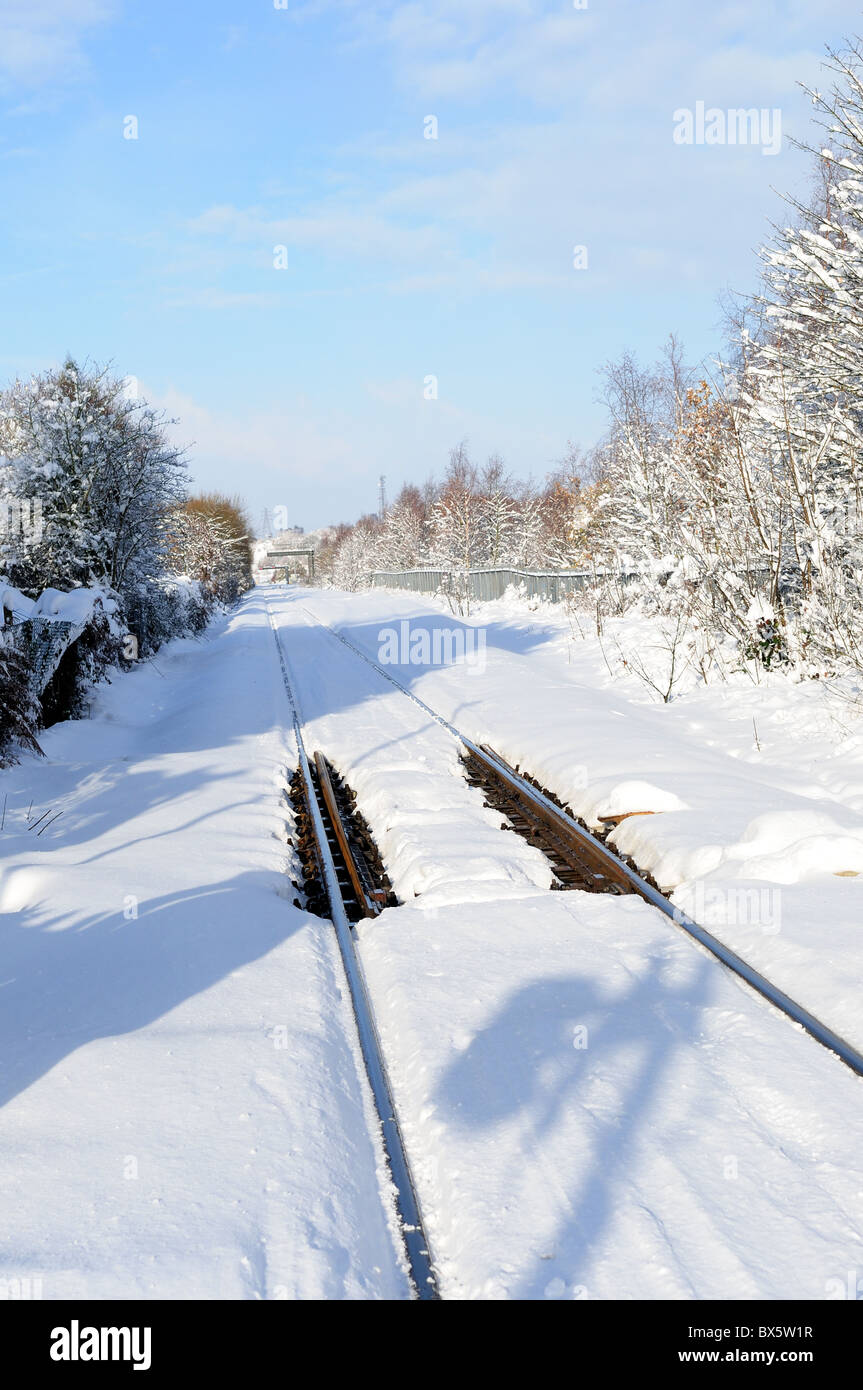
185	1114
757	791
593	1107
596	1109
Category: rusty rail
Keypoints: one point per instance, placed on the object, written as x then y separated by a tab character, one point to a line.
371	900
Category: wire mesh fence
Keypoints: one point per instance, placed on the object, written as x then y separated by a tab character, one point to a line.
43	642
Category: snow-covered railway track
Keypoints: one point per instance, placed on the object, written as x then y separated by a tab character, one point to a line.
577	863
582	860
347	885
363	885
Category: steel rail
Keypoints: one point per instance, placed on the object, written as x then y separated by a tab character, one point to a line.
822	1034
422	1272
580	856
370	900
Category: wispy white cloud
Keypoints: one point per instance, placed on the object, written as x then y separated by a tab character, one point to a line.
505	211
584	154
561	57
42	40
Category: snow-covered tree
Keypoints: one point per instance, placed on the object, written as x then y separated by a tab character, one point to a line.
569	513
100	466
355	554
209	540
404	538
497	538
807	379
642	500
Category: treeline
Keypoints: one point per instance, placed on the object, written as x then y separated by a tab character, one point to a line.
475	517
94	497
732	492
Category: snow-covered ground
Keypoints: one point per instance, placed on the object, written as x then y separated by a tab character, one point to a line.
184	1109
592	1106
756	790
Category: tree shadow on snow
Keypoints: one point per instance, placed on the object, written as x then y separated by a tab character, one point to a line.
526	1067
407	664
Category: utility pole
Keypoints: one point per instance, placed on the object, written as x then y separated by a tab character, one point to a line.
266	529
382	497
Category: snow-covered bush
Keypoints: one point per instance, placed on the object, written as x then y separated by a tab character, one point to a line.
85	663
166	607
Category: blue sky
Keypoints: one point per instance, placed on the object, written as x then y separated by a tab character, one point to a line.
303	127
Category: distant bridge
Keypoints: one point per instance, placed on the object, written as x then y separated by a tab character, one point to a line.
278	559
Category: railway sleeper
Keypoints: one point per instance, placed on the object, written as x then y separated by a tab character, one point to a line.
573	863
363	884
